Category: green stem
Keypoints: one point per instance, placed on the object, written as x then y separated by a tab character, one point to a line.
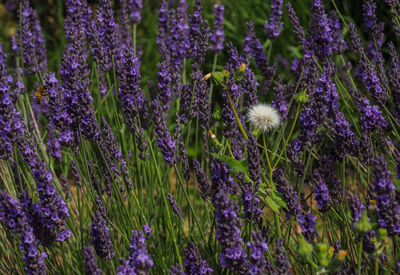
360	248
236	116
288	138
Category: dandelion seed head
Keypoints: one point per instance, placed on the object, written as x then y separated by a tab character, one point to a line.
263	117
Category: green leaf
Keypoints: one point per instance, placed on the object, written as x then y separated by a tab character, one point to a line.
271	203
278	199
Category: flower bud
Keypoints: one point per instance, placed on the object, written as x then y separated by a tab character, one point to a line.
302	97
363	225
240	72
304	249
337	261
381	234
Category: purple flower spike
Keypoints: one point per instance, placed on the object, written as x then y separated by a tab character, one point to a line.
258	264
139	261
101	237
91	267
274	26
388	209
217	37
174	205
193	262
290	196
164	140
29	35
15	219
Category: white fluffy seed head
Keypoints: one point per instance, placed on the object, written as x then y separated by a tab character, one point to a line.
263	117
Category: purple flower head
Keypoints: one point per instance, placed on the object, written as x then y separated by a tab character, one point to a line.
394	74
202	180
339	45
321	192
258	249
11	126
279	101
15	219
30	37
249	85
164	140
194	263
282	261
135	6
101	237
388	210
201	104
294	21
253	157
179	38
174	205
252	47
232	253
107	29
91	267
274	26
307	224
320	31
327	171
139	261
176	270
199	34
371	117
164	79
290	196
345	140
78	20
217	37
182	149
356	208
220	178
372	82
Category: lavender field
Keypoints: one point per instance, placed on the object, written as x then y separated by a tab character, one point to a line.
199	137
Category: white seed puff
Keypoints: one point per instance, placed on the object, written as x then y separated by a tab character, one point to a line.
263	117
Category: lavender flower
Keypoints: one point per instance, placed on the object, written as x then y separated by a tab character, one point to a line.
201	104
321	192
320	31
388	210
355	41
371	116
134	6
290	196
307	225
163	29
179	39
339	45
232	253
274	26
91	267
356	207
327	170
199	34
217	38
101	237
294	21
107	29
182	150
282	261
78	20
139	261
279	102
176	270
202	180
252	45
253	159
193	263
345	140
258	248
14	218
372	82
394	73
30	37
164	140
11	126
174	206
